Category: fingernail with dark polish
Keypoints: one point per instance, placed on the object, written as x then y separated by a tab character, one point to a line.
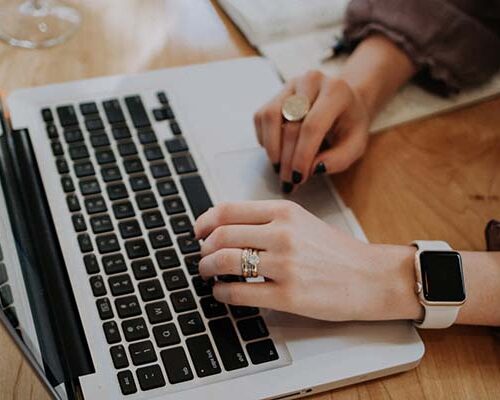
296	177
287	187
277	167
320	169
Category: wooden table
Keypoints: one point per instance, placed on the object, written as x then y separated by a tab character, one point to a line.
437	178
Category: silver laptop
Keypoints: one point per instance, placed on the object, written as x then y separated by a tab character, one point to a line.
101	181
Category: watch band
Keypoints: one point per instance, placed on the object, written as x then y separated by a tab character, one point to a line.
436	317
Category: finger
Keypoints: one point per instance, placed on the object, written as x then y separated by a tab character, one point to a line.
228	262
246	294
237	236
257	120
290	134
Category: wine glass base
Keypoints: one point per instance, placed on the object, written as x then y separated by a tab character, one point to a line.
37	24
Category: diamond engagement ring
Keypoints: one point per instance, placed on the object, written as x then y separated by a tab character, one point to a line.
250	263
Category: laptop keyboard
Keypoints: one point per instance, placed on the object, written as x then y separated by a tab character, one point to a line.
125	192
6	298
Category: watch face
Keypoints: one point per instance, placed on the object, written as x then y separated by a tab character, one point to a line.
442	278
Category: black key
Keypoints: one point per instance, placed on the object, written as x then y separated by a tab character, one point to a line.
117	191
111	173
188	244
85	243
95	205
162	97
192	263
6	298
137	111
153	153
129	229
105	156
228	344
146	201
123	210
167	187
150	377
166	335
181	224
127	307
183	301
11	315
104	308
62	166
114	264
143	269
73	203
176	365
160	170
151	290
203	356
136	249
142	353
174	205
243	311
176	145
94	124
84	169
165	113
101	224
67	115
119	356
52	131
167	259
88	108
197	195
79	223
89	187
111	332
191	323
158	312
73	135
91	264
67	184
140	182
121	132
97	285
133	165
175	128
153	219
159	114
3	274
99	140
160	239
175	279
78	152
135	329
262	351
147	136
126	381
127	149
201	286
120	285
57	149
212	308
113	111
47	115
252	328
107	243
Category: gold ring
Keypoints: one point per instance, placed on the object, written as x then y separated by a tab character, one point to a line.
254	260
245	270
295	108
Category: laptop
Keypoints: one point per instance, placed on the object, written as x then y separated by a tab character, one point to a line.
101	182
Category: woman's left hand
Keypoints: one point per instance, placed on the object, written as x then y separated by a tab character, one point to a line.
311	268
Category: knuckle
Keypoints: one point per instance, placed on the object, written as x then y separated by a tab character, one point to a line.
219	236
286	209
285	239
221	259
314	75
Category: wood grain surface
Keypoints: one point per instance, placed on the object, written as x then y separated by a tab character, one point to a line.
432	179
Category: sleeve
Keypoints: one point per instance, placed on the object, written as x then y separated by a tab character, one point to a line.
454	43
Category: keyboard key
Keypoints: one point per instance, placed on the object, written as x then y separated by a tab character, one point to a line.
145	201
184	164
101	224
167	187
127	384
160	170
129	229
95	205
181	224
262	351
197	194
123	210
88	108
127	149
119	356
3	274
212	308
191	323
121	132
99	140
166	335
94	124
162	97
105	156
135	329
160	239
62	166
78	152
183	301
117	191
243	311
142	353
175	279
114	264
47	115
73	203
202	287
107	243
120	285
133	165
150	377
153	153
174	205
84	169
176	145
188	244
153	219
136	249
57	149
52	131
85	243
67	115
167	259
158	312
97	285
89	187
147	136
143	269
111	173
228	344
203	356
67	184
127	307
140	182
176	365
175	128
11	315
111	332
6	298
104	308
192	263
151	290
91	264
252	328
79	223
137	111
113	111
72	135
162	114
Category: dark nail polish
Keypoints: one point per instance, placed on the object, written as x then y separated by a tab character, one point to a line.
277	167
320	169
296	177
287	187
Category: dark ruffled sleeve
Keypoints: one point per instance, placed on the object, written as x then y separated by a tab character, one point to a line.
454	43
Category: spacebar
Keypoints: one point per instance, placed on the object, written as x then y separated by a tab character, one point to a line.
197	194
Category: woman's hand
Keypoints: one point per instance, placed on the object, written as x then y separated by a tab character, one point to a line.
311	268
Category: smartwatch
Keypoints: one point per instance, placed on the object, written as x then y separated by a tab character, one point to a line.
440	283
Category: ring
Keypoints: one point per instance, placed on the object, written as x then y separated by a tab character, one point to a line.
295	108
245	270
250	261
